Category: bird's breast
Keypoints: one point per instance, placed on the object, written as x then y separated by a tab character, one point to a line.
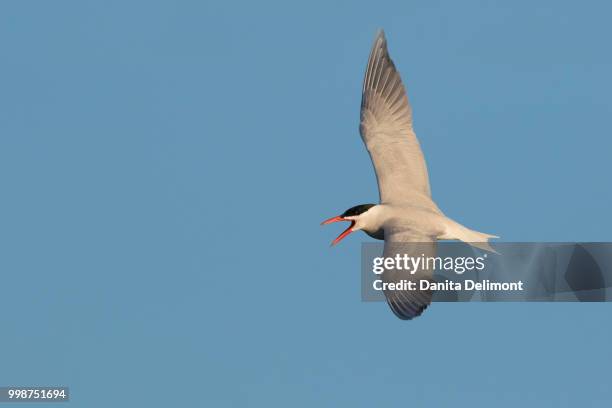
377	234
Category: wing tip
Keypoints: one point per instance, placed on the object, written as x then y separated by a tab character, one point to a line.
378	53
380	38
403	313
408	308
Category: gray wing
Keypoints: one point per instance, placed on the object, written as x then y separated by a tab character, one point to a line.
408	304
386	129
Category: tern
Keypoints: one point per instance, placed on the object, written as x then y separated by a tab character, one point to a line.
406	218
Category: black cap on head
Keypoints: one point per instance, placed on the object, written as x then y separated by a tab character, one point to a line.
357	210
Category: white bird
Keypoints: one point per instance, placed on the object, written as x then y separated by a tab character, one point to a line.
406	213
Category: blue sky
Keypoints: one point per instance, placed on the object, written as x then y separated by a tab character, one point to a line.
165	166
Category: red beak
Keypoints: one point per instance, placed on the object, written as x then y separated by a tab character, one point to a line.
346	231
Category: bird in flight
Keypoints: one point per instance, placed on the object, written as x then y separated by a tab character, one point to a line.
407	218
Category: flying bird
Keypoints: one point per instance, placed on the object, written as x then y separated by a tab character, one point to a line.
406	218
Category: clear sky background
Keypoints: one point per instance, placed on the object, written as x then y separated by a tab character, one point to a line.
164	167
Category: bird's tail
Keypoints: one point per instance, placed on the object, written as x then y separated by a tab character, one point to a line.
476	239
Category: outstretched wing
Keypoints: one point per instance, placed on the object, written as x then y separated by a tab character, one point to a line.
386	129
408	304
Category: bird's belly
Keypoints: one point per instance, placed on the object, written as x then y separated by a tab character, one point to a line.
418	221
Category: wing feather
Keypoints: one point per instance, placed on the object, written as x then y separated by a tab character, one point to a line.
386	129
408	304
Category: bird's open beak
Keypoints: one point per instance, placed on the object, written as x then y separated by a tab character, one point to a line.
346	231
